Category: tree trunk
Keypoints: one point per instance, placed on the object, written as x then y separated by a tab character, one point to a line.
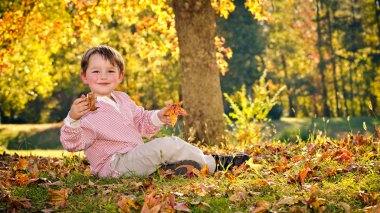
322	64
291	108
344	92
351	82
330	20
377	18
202	95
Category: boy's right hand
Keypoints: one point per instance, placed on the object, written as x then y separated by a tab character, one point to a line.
79	108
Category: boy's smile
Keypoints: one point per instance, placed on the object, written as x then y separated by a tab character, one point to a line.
101	76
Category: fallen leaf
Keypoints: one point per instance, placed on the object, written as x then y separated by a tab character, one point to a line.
21	179
182	207
237	197
287	201
125	203
58	198
151	204
229	176
22	164
302	175
310	148
18	203
297	158
346	207
262	206
204	171
202	205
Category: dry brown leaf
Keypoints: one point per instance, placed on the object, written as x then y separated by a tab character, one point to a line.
297	158
151	204
58	198
229	176
237	197
18	203
91	99
202	205
182	207
287	201
21	179
262	206
346	207
303	173
125	203
22	164
204	171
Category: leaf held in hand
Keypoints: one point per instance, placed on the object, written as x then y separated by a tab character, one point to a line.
173	111
91	98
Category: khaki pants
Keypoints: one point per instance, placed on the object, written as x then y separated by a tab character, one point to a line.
145	159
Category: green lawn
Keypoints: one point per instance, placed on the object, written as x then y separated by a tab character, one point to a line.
335	128
37	138
321	175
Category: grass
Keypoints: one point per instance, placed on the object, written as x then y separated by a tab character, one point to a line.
289	128
36	139
30	136
323	174
240	190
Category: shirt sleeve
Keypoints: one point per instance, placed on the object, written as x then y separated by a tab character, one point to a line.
143	120
155	120
76	138
71	122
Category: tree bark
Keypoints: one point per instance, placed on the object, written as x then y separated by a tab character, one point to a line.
377	18
291	109
344	91
322	63
195	22
330	20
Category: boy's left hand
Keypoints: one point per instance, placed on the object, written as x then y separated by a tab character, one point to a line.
164	118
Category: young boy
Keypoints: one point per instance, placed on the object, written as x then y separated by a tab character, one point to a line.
111	136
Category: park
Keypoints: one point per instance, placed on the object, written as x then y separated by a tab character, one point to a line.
293	84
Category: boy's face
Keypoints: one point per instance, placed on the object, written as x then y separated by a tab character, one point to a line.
101	76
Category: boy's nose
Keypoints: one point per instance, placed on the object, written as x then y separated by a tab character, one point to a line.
103	75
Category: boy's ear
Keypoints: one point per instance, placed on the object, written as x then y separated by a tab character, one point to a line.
83	77
121	76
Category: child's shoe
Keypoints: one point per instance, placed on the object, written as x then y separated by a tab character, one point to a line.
224	162
182	167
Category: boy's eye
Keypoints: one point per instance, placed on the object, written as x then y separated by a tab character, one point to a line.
95	71
111	71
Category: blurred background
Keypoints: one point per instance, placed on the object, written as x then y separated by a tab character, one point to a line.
314	65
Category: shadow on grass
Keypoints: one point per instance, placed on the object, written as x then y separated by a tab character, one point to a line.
28	140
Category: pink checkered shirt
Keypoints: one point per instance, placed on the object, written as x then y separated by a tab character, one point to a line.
112	128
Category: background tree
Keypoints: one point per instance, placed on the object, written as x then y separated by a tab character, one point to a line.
246	38
42	41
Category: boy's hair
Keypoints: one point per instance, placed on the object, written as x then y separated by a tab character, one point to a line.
108	53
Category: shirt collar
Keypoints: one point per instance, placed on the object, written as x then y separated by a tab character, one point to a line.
108	100
105	98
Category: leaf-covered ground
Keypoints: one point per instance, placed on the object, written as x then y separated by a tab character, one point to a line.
321	175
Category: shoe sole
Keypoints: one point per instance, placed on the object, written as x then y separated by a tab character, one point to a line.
182	167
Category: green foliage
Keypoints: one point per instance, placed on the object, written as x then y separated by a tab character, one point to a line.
40	64
249	112
246	38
